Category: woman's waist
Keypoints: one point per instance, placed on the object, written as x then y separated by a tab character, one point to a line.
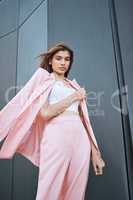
69	113
66	116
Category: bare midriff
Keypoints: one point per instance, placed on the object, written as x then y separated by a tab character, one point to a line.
68	112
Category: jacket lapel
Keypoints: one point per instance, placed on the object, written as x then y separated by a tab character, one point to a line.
86	119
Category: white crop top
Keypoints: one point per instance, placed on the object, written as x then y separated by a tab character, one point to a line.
61	91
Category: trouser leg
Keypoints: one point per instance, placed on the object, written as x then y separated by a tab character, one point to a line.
64	162
76	181
54	164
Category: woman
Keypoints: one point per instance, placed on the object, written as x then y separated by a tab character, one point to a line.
48	123
65	147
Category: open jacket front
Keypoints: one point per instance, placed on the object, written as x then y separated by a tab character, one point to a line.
21	124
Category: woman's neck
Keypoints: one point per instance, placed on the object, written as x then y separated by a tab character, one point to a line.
59	77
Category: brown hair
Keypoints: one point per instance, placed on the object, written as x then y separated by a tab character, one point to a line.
47	56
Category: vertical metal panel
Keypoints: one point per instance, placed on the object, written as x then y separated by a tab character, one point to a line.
32	41
27	7
88	31
8	50
123	45
19	176
8	16
8	57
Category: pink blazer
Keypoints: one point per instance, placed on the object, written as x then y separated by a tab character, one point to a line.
21	124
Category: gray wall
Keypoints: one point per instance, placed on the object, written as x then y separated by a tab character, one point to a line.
100	33
86	26
23	36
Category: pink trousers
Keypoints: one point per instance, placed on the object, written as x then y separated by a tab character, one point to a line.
64	160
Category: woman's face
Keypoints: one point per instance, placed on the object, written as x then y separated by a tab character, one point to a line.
61	62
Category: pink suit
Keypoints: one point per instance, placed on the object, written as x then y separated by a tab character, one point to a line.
28	134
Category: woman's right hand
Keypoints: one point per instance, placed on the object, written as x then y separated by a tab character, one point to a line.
80	94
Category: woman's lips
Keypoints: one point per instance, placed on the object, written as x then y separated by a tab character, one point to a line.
62	68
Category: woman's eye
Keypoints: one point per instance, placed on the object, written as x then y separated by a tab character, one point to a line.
68	59
58	58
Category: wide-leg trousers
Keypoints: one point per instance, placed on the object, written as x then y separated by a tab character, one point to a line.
64	160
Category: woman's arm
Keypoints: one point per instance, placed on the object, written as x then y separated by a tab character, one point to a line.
48	111
81	116
97	161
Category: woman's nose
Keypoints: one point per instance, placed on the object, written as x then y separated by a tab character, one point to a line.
62	61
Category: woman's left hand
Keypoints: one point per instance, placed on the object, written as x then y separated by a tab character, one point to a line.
97	162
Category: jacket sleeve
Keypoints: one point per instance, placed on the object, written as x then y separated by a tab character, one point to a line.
87	124
83	110
12	109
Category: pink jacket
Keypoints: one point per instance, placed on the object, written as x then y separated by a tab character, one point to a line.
21	124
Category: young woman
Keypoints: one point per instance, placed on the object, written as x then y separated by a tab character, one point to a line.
48	123
65	148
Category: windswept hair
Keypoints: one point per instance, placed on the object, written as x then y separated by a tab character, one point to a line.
46	57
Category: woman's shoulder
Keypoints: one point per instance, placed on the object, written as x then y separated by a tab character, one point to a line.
42	71
74	81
